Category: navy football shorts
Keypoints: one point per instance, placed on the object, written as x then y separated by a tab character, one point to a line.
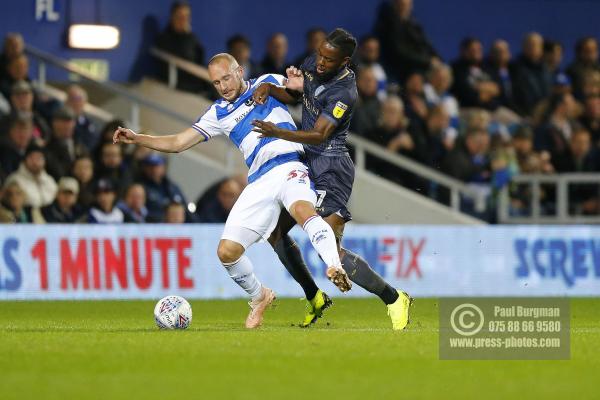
332	177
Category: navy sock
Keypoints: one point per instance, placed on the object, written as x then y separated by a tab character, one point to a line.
290	256
363	275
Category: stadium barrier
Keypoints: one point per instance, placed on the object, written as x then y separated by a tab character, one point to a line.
150	261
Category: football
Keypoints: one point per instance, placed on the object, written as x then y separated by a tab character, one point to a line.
173	312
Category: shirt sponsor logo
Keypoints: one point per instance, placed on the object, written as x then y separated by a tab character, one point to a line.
309	105
242	115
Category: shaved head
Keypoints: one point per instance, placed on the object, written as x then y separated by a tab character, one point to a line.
227	76
224	58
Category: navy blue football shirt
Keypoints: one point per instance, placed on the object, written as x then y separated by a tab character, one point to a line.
334	99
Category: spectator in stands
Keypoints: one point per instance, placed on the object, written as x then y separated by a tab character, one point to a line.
160	190
83	171
392	123
499	69
477	119
110	165
133	205
62	147
503	162
591	84
561	85
591	118
21	100
529	161
368	105
555	132
274	61
414	98
239	47
532	79
17	69
86	132
585	64
104	210
439	81
64	209
473	87
179	40
175	213
581	157
439	136
553	55
395	132
368	56
12	150
314	38
217	201
469	161
13	202
6	217
404	46
14	45
38	186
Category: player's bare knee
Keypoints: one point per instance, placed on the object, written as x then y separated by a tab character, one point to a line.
229	251
301	211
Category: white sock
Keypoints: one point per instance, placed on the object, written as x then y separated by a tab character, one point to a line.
323	240
242	273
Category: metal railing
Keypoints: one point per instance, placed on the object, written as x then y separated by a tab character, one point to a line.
44	59
362	146
456	188
561	183
175	63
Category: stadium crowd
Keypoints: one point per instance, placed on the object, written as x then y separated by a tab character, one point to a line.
481	118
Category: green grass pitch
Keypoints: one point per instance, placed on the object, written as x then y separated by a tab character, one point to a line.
112	350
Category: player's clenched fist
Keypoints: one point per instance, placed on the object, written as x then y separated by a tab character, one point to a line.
124	135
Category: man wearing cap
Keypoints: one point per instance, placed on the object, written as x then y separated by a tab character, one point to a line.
104	210
39	187
64	209
62	148
160	190
21	100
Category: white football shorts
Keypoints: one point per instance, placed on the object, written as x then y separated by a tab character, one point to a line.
256	212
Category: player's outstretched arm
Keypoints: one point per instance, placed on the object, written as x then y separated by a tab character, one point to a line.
175	143
320	132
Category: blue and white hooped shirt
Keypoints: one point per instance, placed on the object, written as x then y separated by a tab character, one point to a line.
234	119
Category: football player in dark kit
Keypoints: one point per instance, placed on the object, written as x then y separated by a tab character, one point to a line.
328	91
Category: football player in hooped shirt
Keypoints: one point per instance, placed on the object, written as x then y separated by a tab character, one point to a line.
276	179
328	90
